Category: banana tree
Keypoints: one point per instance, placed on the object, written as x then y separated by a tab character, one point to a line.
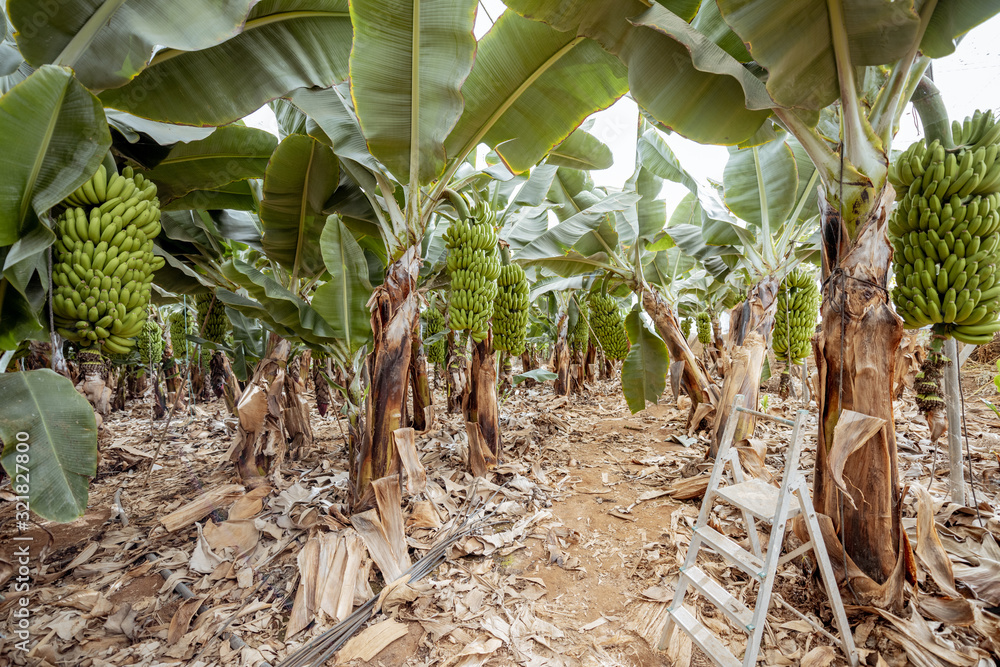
56	135
770	191
618	233
689	69
421	109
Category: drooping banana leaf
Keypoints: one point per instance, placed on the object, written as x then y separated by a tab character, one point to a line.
56	430
55	137
231	153
284	45
108	42
301	176
408	63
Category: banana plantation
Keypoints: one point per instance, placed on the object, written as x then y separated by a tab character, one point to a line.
326	338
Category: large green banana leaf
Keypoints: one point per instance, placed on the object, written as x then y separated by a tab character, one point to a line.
58	434
659	158
667	59
19	316
10	56
331	119
644	371
284	45
231	153
290	119
760	184
301	176
341	300
553	242
793	42
108	42
533	192
408	63
581	150
237	195
55	138
530	87
570	264
572	191
164	134
525	226
950	21
288	315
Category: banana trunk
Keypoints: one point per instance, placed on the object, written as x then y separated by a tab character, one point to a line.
423	401
855	358
750	327
394	318
483	407
694	380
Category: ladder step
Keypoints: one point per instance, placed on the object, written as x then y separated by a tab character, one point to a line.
720	597
732	552
757	497
704	639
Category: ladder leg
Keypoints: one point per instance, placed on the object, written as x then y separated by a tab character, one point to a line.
826	572
771	559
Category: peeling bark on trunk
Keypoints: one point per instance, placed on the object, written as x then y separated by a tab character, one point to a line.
483	408
577	371
394	310
528	364
750	327
197	379
93	383
231	391
219	370
855	358
589	363
743	378
560	357
423	402
506	371
322	387
306	365
272	418
695	381
159	400
454	373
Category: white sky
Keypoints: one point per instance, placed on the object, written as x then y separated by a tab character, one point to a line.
969	79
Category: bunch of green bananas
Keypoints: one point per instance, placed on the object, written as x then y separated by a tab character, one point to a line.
181	324
510	316
205	358
704	321
474	266
150	343
579	337
795	318
608	325
686	327
434	323
104	260
945	232
212	318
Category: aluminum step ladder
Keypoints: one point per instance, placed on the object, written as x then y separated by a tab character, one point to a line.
758	501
